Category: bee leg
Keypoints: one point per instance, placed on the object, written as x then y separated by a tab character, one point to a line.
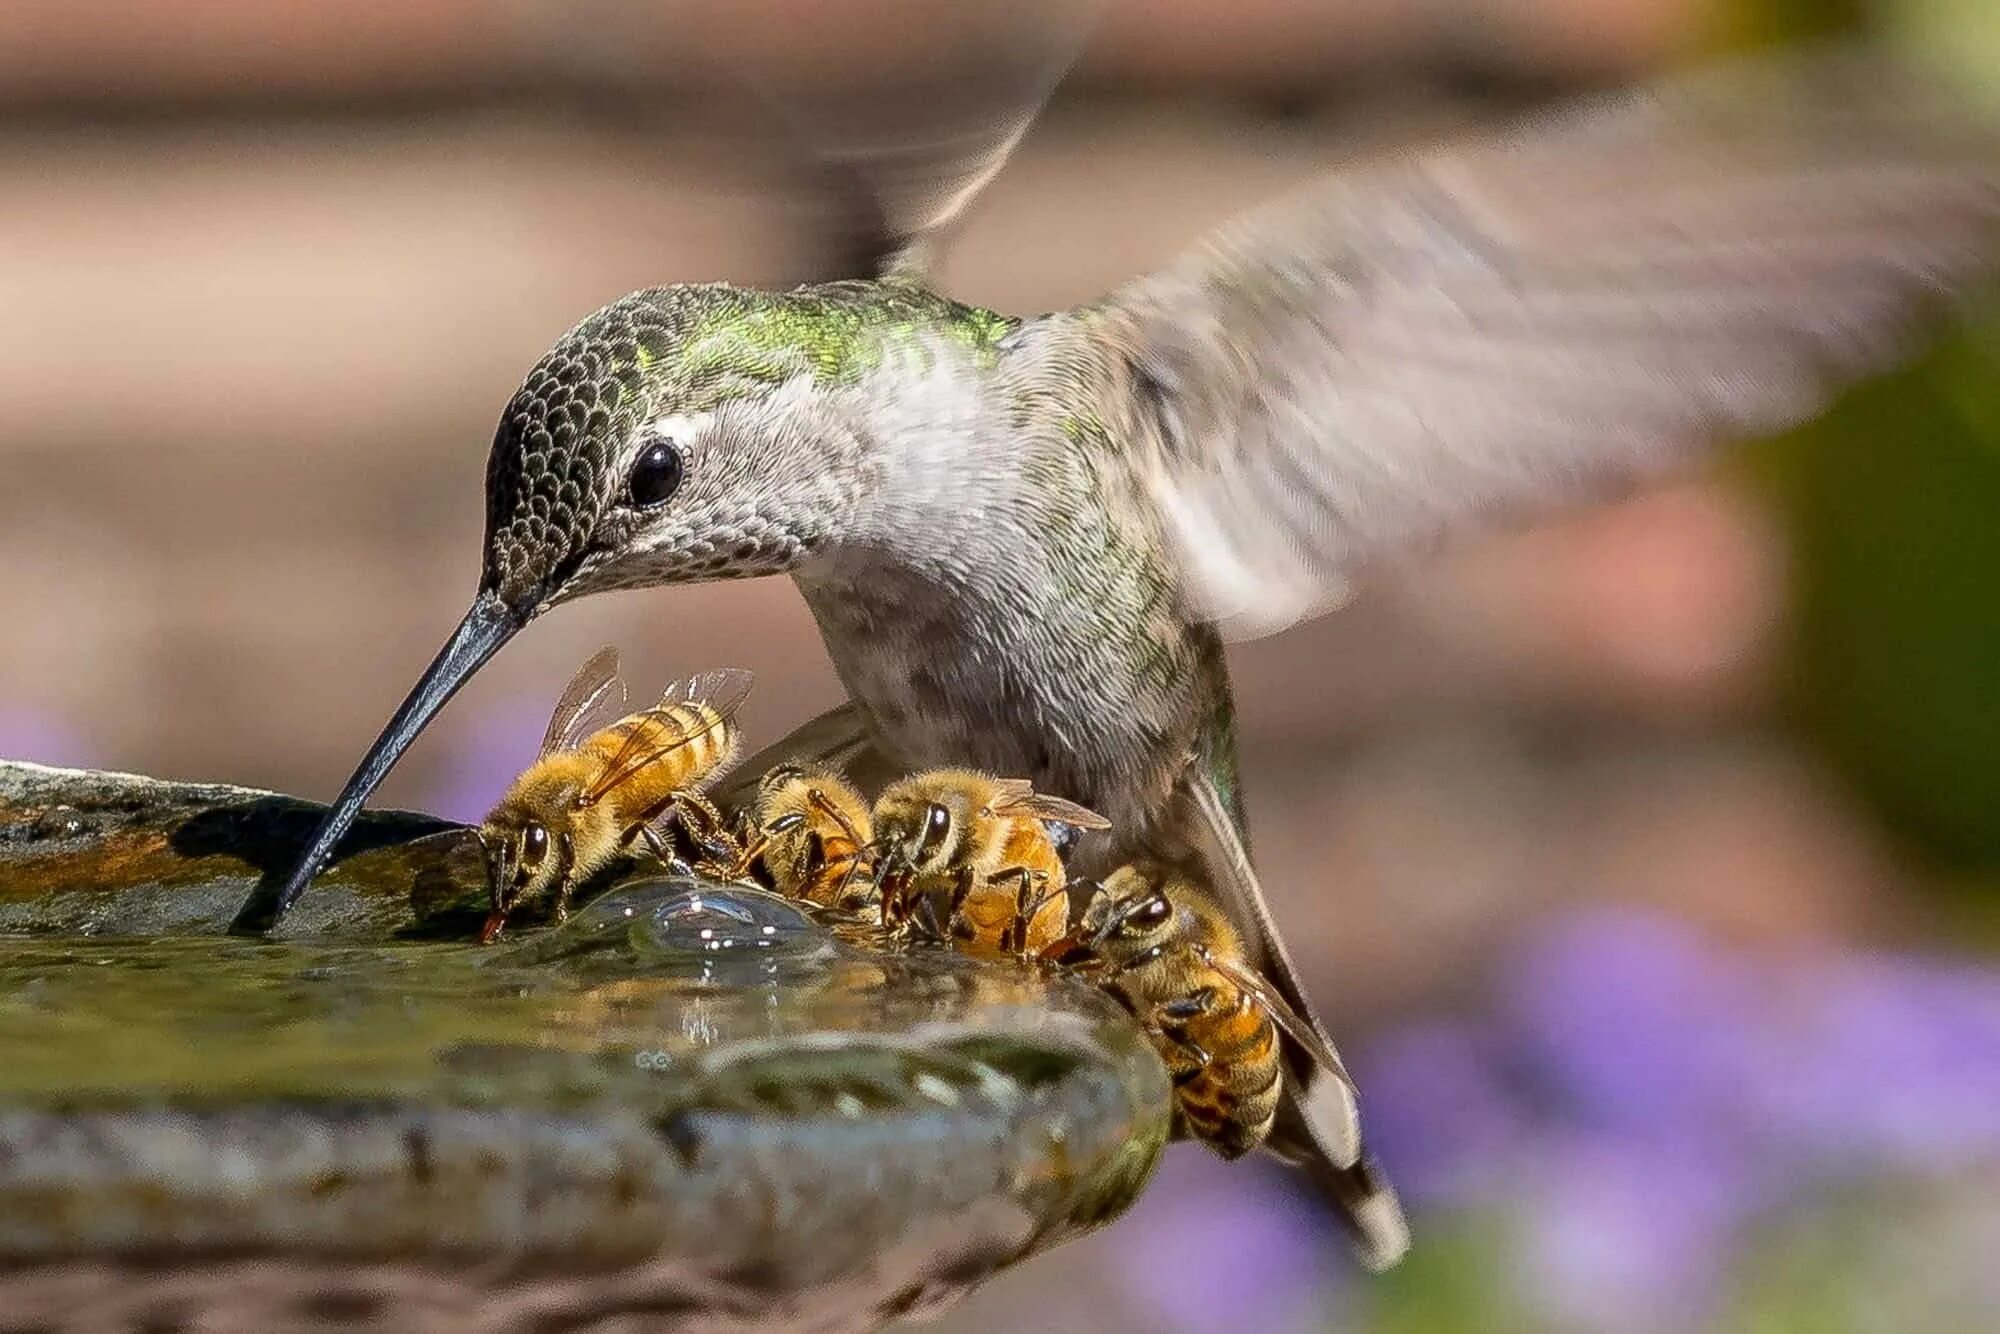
749	849
715	850
1027	909
721	855
707	830
1174	1015
960	927
1185	1059
670	861
655	844
962	889
840	889
926	917
707	819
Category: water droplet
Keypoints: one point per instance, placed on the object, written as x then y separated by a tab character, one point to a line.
712	919
678	924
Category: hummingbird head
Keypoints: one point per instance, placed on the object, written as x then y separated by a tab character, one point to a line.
679	434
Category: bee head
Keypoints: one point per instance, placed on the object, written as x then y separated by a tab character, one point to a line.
1129	913
777	779
920	831
527	852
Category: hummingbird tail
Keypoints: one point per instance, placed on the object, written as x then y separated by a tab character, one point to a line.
1318	1132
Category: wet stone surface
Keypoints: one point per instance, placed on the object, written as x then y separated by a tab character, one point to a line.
692	1105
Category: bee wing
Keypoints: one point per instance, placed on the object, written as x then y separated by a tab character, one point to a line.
720	692
1010	790
593	697
1045	807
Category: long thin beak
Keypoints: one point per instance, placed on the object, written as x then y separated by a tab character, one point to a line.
487	626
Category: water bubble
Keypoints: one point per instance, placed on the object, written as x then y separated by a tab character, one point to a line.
681	925
734	919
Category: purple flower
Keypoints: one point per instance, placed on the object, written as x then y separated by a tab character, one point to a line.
1619	1236
1888	1063
1625	1022
1643	1096
1215	1245
1439	1116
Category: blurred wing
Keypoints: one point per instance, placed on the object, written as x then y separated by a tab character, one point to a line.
906	154
1045	807
593	698
1408	347
1319	1122
721	692
901	109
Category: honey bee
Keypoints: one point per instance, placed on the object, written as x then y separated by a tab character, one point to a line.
982	845
810	830
600	790
1154	940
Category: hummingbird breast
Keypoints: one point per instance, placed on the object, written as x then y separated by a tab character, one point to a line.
1039	636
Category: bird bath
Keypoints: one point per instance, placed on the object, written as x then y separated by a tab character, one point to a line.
691	1105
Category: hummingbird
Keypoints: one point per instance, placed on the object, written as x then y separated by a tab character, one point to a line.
1026	539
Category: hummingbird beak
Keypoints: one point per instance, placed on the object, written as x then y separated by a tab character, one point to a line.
488	625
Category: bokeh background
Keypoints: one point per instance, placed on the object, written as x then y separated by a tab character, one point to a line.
1645	862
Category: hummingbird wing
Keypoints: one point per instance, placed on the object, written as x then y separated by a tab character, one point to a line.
906	156
904	145
902	133
838	739
1319	1121
1412	346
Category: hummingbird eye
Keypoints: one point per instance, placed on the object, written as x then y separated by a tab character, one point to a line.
656	475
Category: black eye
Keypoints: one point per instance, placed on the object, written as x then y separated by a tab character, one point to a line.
937	822
1153	911
534	845
657	474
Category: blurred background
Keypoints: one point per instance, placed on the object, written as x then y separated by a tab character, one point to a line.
1646	863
